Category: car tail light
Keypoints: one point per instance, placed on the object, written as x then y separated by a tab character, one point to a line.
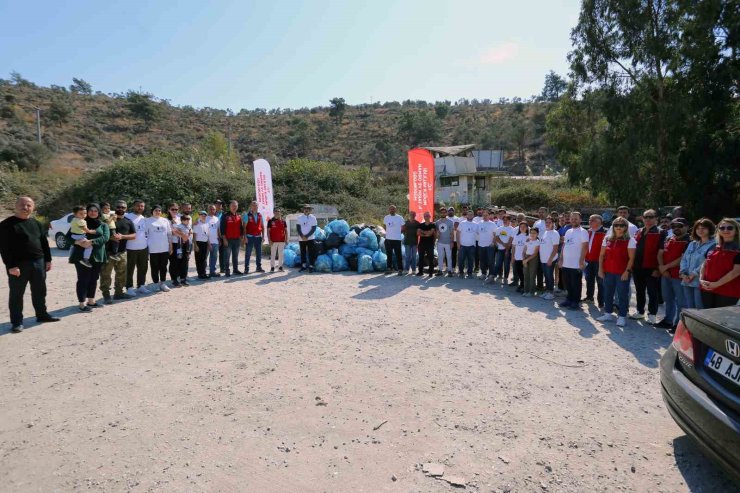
683	342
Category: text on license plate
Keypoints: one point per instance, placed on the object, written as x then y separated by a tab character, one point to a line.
723	365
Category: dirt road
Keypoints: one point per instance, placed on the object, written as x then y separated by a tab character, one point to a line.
336	382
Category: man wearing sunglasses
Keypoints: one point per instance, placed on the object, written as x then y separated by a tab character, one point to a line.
125	231
646	273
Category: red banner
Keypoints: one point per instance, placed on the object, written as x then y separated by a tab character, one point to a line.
421	183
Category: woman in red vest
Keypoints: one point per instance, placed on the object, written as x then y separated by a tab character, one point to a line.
615	268
596	234
720	274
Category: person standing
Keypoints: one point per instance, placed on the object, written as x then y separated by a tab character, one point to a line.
223	246
180	256
445	233
427	234
624	212
504	237
549	243
669	264
411	242
703	235
573	261
214	243
455	221
277	235
254	233
720	275
124	232
393	225
646	274
137	254
530	262
159	243
25	252
520	244
594	283
307	225
231	236
179	236
201	244
467	232
486	234
541	228
87	277
616	260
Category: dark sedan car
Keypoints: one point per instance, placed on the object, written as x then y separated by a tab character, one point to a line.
700	377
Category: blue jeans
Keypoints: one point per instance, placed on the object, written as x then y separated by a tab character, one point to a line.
213	258
256	243
673	298
503	263
613	284
549	272
467	255
232	249
486	256
692	297
411	252
594	282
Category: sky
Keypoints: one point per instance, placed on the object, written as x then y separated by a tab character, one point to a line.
290	54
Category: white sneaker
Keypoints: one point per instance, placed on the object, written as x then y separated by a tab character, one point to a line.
131	292
163	287
607	317
637	315
143	290
548	296
621	322
651	319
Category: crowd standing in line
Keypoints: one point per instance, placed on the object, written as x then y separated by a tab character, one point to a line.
668	260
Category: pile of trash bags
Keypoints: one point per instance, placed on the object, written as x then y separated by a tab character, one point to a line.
340	247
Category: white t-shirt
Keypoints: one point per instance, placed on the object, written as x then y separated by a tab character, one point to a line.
486	232
550	240
200	231
540	225
158	233
213	223
630	244
393	223
531	245
506	234
140	224
520	243
477	219
306	222
468	232
572	247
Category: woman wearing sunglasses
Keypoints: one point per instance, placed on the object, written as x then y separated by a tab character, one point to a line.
615	268
720	274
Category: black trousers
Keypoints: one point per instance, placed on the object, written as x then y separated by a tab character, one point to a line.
541	277
179	266
713	300
573	285
393	249
454	256
200	257
158	263
138	260
519	273
32	272
223	257
426	254
308	253
477	257
645	282
87	280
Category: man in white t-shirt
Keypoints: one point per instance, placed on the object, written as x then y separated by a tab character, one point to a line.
486	235
137	253
455	221
393	223
504	237
307	225
213	223
540	225
573	261
467	232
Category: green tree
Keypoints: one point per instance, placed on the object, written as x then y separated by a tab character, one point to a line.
60	110
554	87
442	110
80	86
214	152
143	106
299	137
337	109
419	127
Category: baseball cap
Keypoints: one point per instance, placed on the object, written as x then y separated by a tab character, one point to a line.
202	213
680	220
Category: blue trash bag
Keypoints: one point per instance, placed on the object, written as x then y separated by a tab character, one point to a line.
364	264
351	238
368	239
365	251
338	263
319	234
323	263
347	250
290	258
332	251
293	246
338	226
380	261
381	245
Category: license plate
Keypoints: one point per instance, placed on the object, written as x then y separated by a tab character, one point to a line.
723	366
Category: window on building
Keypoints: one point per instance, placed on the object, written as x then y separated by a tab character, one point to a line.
480	182
449	181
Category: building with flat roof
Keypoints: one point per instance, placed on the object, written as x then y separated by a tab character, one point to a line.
464	175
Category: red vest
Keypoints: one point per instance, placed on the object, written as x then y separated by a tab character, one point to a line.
233	229
254	224
596	238
276	229
650	248
616	257
673	248
719	262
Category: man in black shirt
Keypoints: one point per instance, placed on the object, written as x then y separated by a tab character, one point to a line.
125	230
427	231
27	257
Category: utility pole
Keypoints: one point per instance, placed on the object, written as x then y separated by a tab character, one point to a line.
38	123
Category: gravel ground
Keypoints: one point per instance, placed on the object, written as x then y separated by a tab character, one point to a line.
341	382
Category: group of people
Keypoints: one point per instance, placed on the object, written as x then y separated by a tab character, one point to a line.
669	260
673	263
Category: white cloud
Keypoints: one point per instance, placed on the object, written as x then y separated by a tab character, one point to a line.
499	54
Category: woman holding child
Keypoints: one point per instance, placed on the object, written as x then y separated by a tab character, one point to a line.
87	277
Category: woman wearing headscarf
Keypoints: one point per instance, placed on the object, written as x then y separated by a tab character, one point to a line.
87	277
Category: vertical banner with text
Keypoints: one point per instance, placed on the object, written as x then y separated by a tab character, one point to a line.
421	182
263	185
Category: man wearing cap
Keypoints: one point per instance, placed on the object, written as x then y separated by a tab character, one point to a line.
306	226
125	231
669	262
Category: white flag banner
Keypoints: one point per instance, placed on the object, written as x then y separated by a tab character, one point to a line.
263	185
